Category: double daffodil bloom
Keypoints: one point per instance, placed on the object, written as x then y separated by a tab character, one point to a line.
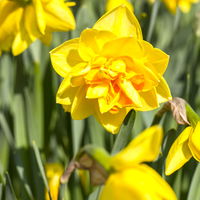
110	70
183	5
131	178
53	173
187	145
24	21
111	4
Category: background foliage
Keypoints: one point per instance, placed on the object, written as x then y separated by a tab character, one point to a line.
35	131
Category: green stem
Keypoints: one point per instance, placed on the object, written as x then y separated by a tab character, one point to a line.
153	19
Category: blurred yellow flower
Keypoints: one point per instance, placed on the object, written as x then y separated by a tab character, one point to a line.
183	5
111	4
133	180
24	21
185	146
110	70
53	172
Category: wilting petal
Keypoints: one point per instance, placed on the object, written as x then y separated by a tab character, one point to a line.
163	91
179	152
111	121
138	183
121	22
65	56
140	149
194	142
58	16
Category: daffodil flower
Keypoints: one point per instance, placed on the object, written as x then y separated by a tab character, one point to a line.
183	5
53	173
24	21
131	179
110	70
185	147
111	4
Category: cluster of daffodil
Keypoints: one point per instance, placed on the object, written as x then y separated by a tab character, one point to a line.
108	71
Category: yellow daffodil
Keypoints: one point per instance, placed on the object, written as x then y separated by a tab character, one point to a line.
53	173
110	70
183	5
131	178
111	4
185	146
24	21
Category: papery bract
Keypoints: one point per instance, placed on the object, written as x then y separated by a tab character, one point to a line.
110	70
24	21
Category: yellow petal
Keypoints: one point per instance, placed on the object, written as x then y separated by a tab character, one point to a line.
163	91
111	121
111	4
96	91
10	17
148	100
81	107
194	142
58	16
53	172
30	22
40	16
125	46
121	22
138	183
140	149
179	152
92	41
66	94
184	5
65	56
130	92
21	41
156	59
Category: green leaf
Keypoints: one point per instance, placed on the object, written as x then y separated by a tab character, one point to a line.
77	134
21	140
194	190
9	191
21	167
124	133
40	165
